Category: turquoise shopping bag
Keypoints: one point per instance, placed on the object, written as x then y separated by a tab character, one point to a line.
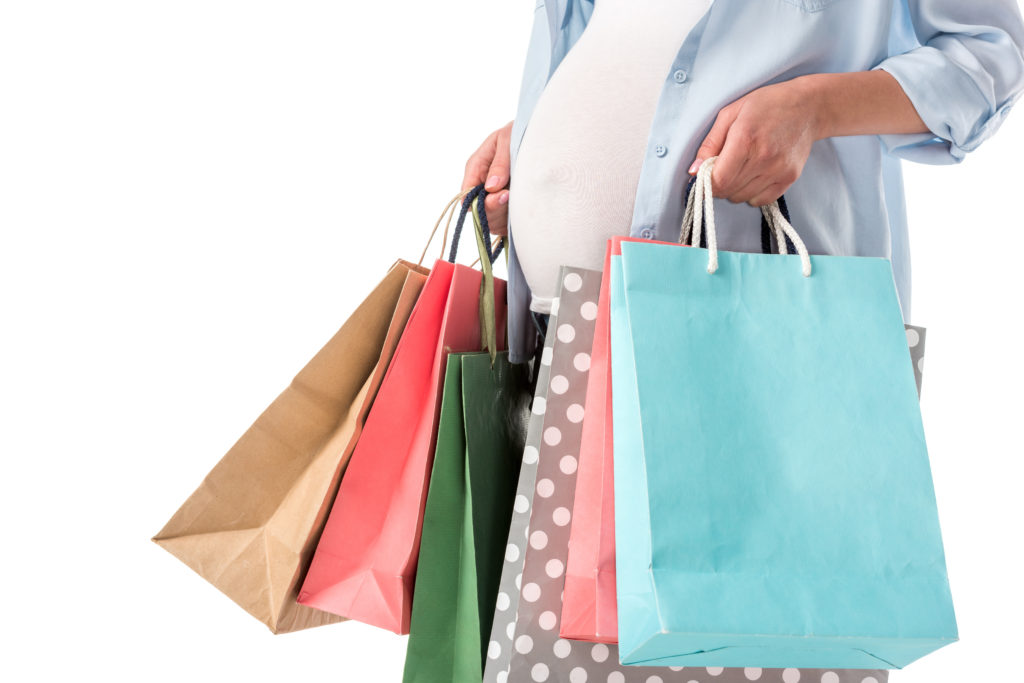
773	497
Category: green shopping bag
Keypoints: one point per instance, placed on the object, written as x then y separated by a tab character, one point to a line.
469	506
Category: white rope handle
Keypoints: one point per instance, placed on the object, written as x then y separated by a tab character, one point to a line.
701	206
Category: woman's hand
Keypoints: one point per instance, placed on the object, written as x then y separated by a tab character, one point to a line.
762	142
490	165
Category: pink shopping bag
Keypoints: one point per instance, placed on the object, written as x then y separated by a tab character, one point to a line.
588	604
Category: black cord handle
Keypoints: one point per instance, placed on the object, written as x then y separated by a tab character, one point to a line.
467	202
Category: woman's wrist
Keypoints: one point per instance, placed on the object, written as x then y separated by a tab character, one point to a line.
857	103
813	92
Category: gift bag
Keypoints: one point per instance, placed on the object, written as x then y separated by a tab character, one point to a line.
588	607
365	562
251	526
525	643
773	497
588	603
469	505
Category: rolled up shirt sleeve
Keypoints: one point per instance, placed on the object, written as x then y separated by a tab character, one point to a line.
963	77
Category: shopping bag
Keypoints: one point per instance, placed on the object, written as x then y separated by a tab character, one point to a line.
506	606
525	645
469	505
364	565
588	606
251	526
587	611
773	497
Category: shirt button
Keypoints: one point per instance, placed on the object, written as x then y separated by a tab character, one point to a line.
661	150
680	76
647	234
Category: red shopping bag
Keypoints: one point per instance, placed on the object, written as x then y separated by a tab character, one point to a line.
588	602
365	563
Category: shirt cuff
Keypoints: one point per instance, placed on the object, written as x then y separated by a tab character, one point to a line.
949	101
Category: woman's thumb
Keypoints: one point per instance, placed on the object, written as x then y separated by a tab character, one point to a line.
714	141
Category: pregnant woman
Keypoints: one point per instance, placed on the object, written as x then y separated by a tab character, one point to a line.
621	100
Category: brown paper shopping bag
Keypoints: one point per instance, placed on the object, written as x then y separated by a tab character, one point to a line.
252	525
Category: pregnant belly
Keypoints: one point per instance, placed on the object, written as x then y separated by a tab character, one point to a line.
577	167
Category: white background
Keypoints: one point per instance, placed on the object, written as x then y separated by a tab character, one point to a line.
194	195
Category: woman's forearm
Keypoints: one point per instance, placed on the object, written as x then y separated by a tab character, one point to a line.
859	103
764	138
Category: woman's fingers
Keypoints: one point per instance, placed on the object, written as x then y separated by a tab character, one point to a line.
767	195
490	164
497	212
498	173
753	187
762	141
716	137
479	163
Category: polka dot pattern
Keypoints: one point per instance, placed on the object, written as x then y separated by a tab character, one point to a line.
915	340
542	521
572	281
548	620
539	405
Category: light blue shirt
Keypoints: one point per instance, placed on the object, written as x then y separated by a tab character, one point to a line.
959	61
